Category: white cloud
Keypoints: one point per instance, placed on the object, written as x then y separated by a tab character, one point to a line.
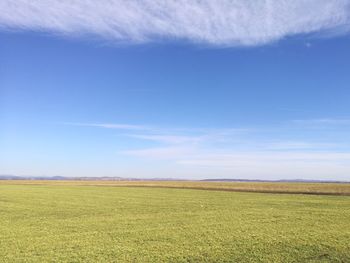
239	153
243	164
214	22
117	126
306	165
169	139
263	158
171	152
297	145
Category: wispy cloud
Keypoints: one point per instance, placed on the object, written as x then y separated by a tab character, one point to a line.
263	158
221	22
117	126
168	152
251	164
169	139
325	165
238	152
168	135
298	145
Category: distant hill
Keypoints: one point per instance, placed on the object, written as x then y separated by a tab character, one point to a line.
10	177
106	178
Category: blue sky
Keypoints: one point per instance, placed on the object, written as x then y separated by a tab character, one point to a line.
144	95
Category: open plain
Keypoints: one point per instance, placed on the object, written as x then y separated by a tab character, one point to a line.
79	221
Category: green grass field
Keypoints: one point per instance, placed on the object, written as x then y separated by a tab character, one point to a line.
257	187
75	223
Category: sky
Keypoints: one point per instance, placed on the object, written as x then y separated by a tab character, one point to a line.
175	89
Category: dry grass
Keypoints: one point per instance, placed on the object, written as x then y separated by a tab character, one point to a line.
258	187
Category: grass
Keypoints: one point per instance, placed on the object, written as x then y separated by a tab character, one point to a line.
258	187
74	223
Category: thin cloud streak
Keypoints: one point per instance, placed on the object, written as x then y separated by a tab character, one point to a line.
170	152
297	145
169	139
219	23
117	126
169	135
245	158
275	165
250	153
242	164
